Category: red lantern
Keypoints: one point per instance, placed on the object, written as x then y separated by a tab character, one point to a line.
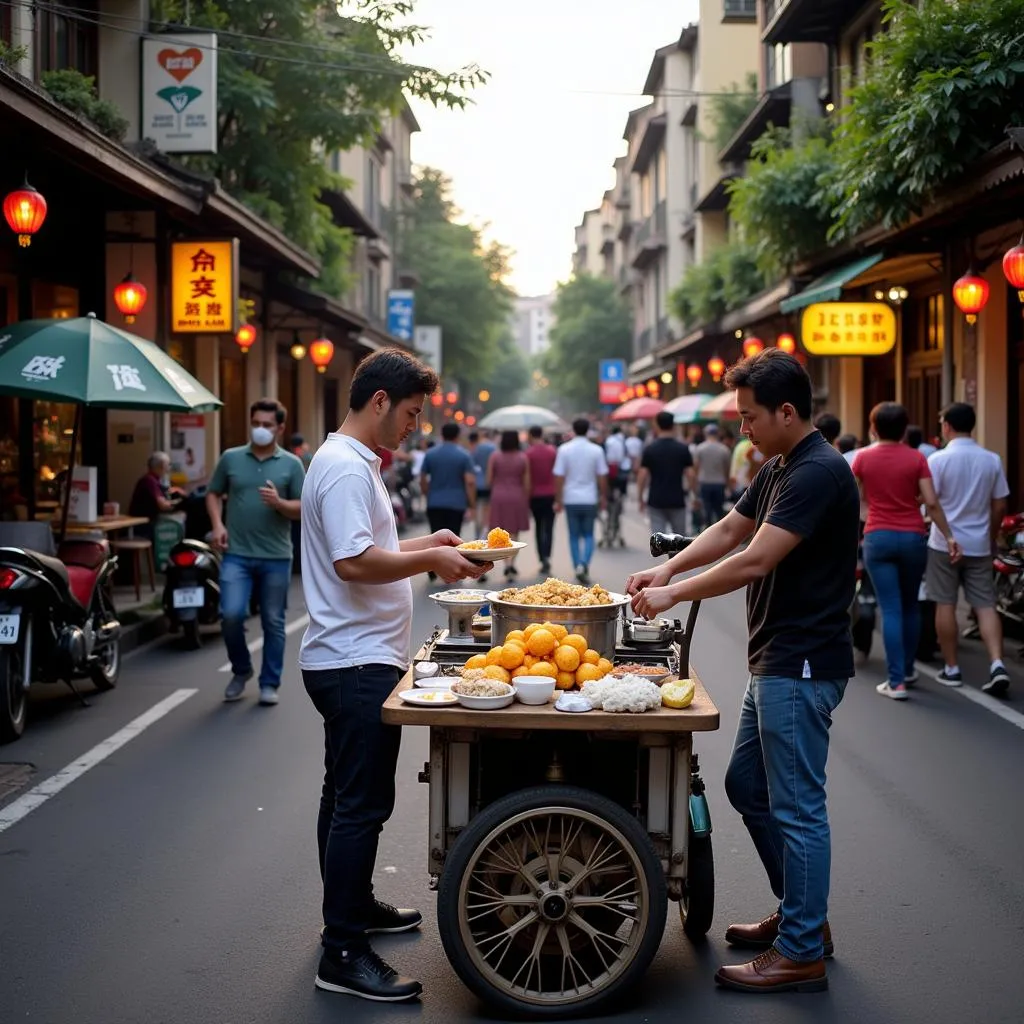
641	389
321	352
437	400
470	421
786	343
694	374
451	398
460	415
25	211
970	293
716	367
130	298
1013	268
246	337
752	347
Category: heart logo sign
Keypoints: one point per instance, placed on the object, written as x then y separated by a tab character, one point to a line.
179	65
179	96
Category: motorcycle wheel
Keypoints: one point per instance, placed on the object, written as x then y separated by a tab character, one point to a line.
190	638
104	673
13	697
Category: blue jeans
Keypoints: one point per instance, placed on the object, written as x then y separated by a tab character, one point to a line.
239	574
580	519
896	560
776	780
360	759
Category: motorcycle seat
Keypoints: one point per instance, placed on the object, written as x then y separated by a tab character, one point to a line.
81	583
54	566
89	554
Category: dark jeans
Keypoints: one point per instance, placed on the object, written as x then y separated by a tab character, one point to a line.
712	498
361	755
446	519
543	510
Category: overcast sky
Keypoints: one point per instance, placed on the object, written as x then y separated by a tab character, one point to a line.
537	148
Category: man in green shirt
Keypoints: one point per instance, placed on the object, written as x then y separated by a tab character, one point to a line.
263	485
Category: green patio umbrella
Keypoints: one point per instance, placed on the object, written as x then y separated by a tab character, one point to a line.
88	362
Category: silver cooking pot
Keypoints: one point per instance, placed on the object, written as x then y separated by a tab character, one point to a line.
598	623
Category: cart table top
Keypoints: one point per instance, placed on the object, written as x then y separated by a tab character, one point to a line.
700	716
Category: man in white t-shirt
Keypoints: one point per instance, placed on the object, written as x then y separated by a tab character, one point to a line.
581	487
356	581
972	490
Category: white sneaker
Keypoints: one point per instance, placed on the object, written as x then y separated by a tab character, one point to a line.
268	695
898	692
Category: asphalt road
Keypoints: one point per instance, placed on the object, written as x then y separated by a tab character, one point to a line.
175	881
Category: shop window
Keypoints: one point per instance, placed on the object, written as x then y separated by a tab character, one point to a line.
68	36
234	417
5	25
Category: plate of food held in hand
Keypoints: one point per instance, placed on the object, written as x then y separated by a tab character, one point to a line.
498	546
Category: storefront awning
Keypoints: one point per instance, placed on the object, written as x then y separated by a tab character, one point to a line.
829	287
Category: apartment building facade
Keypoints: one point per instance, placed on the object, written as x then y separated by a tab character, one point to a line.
532	320
589	256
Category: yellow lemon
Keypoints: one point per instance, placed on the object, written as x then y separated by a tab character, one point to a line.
477	661
493	656
567	658
586	672
544	668
605	666
497	672
565	680
592	657
576	640
542	642
677	693
512	656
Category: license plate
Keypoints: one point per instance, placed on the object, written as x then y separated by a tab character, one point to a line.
188	597
10	627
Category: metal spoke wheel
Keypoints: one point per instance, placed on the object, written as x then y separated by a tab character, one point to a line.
552	902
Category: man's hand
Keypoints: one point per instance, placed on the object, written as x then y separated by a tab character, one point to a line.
657	577
558	508
269	496
652	601
955	551
444	539
451	565
219	537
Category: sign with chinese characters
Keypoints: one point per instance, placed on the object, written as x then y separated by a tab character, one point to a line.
848	328
204	287
401	313
179	92
610	392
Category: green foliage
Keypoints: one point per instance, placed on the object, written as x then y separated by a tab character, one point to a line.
723	282
301	78
780	205
731	108
77	92
941	86
461	286
591	323
11	56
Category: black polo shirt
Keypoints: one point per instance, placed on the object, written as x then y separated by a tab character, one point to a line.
667	460
799	614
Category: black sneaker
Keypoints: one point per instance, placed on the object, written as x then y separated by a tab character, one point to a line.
364	975
388	920
998	682
948	678
545	568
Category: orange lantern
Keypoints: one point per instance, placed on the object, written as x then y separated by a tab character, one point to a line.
130	298
970	293
321	352
1013	268
786	343
437	400
694	374
451	398
640	389
470	421
752	346
460	415
716	367
246	337
25	211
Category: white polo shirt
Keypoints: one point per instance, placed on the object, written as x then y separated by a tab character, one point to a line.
346	509
967	479
580	462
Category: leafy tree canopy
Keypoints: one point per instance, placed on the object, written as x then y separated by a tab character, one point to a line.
301	78
461	285
729	109
725	280
591	323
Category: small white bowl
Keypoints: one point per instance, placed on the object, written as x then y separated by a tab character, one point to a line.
486	703
534	689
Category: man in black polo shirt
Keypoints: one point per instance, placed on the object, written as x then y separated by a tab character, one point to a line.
664	464
801	512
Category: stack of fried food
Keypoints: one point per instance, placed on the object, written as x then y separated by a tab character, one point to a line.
557	592
541	649
496	538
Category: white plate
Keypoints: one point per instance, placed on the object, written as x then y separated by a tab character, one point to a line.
428	698
434	682
492	554
485	703
10	627
188	597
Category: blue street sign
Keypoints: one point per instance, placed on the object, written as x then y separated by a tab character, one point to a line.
401	313
613	371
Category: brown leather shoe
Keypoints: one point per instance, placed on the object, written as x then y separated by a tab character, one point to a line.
772	972
764	933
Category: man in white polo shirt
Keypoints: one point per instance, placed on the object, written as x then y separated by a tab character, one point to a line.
581	486
356	581
972	490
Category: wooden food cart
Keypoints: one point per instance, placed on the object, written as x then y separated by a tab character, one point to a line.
557	839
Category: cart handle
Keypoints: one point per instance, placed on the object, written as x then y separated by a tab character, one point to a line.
670	544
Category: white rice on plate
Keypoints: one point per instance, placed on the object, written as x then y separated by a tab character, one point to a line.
632	694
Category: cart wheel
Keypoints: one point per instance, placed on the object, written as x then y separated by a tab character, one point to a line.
552	902
697	906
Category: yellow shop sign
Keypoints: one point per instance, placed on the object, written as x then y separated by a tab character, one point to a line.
848	328
204	286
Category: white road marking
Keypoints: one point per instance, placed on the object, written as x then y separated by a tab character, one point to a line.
293	627
38	795
993	704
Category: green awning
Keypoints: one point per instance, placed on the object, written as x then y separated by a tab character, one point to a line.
829	287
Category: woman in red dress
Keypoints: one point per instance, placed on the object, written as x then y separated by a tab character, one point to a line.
508	477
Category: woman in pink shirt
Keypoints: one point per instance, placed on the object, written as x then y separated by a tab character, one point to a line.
895	482
541	457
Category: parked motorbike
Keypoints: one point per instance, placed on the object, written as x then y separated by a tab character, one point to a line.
1009	569
192	589
57	623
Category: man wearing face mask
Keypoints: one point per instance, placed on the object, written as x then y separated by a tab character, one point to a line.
263	485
